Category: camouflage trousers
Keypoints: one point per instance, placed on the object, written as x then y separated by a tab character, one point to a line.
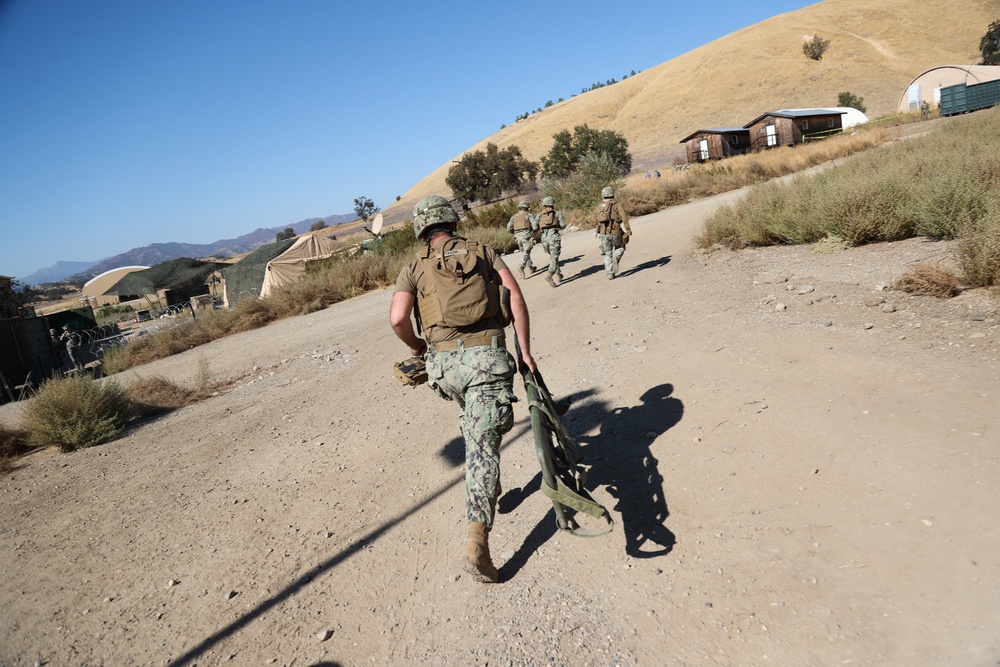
609	243
525	243
481	381
552	244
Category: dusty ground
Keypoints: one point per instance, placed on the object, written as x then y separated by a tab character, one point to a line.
807	485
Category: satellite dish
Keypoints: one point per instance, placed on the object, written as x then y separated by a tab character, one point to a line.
377	224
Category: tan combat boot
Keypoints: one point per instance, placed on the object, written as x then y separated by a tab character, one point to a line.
476	559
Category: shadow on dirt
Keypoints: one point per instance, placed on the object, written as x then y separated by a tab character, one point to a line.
651	264
624	464
621	460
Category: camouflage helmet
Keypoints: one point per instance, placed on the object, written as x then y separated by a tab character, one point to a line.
548	201
523	204
607	192
432	211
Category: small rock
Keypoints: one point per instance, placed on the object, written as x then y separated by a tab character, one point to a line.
828	324
888	308
873	301
805	289
231	594
780	307
869	325
927	522
172	582
323	635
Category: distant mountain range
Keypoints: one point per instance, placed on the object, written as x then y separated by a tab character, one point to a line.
157	253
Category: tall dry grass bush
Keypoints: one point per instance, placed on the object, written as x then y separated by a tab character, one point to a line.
76	412
978	251
944	185
14	444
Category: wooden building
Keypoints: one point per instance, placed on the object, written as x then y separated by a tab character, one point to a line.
716	143
789	127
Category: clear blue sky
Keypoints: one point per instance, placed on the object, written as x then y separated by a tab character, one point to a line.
125	122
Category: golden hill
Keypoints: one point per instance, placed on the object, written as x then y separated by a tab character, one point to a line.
876	49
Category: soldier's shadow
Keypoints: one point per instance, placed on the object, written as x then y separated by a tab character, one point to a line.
620	460
623	462
651	264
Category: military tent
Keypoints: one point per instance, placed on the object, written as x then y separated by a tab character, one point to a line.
274	265
175	274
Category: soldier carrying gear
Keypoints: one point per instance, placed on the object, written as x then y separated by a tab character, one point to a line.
550	221
69	338
524	225
451	287
613	231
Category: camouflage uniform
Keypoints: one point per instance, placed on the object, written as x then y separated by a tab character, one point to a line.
71	346
612	232
481	380
550	222
523	225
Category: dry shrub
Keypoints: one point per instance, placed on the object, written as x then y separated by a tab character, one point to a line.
76	412
13	445
831	243
928	280
154	394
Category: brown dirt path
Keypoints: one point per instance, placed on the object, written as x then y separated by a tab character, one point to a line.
812	485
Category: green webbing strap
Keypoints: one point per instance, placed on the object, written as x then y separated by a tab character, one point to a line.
562	478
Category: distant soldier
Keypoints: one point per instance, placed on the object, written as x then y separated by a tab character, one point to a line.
69	339
523	225
925	110
550	221
613	231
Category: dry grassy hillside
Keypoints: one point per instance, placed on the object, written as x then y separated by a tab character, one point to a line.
875	50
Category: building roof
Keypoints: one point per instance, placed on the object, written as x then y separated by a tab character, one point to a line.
798	113
713	130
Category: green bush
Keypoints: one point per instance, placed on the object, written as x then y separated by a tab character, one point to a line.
76	412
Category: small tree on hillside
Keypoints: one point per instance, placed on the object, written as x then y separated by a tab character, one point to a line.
485	175
569	149
286	233
365	208
847	99
989	45
581	189
816	47
318	225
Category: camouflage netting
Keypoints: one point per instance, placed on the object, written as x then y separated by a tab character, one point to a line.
175	274
245	277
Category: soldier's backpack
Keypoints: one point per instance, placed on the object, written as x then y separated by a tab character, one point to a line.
460	286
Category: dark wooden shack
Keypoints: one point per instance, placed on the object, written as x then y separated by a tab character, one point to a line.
716	143
789	127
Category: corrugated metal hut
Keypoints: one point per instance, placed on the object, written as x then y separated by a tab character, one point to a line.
926	87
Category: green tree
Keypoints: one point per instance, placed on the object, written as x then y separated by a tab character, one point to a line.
365	208
847	99
816	47
569	149
318	225
13	297
989	45
581	189
484	176
286	233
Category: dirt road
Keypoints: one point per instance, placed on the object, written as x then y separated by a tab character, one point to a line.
803	468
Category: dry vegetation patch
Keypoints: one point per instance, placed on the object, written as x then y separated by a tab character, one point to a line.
928	280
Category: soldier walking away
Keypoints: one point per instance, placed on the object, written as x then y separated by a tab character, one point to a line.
69	338
925	110
455	290
523	225
613	231
550	221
